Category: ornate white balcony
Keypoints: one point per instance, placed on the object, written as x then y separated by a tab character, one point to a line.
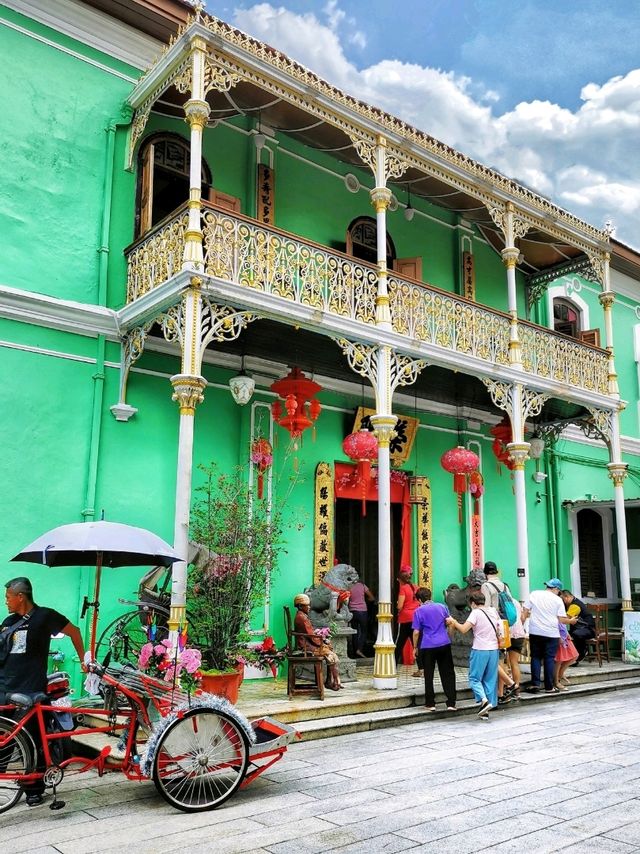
274	262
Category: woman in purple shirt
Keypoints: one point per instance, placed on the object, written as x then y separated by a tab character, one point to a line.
430	631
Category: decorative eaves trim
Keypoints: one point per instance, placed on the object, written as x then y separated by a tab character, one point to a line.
267	66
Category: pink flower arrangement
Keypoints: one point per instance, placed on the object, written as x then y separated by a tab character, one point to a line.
322	633
157	660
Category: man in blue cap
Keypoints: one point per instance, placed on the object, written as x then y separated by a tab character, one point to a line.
545	610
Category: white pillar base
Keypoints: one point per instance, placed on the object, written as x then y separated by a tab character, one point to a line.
385	684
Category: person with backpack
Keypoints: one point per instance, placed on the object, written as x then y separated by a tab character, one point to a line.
497	595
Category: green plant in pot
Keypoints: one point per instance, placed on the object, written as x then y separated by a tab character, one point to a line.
244	536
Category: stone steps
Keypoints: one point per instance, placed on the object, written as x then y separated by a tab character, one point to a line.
330	726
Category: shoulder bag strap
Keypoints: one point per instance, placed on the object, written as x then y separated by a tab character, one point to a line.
495	628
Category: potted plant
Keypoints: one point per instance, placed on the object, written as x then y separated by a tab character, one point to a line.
244	538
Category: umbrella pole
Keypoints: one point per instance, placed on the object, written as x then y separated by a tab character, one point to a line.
96	607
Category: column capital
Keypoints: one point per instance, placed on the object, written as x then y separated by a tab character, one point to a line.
518	453
380	198
197	112
617	473
188	392
607	299
510	255
383	428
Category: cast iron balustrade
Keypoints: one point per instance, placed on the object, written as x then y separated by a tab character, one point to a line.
266	259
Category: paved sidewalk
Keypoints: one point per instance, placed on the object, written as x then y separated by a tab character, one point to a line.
560	776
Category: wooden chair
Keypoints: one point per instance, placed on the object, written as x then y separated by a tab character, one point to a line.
301	659
599	645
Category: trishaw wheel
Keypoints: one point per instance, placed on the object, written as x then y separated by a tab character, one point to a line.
201	760
16	759
125	637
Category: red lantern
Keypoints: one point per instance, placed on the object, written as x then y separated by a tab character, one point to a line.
301	406
460	462
476	488
262	458
362	447
503	436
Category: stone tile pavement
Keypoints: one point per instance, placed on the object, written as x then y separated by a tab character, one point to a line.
537	778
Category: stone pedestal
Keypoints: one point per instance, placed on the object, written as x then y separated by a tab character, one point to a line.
339	643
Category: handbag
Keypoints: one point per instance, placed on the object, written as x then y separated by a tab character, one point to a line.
504	639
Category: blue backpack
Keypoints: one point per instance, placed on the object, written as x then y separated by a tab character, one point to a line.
506	607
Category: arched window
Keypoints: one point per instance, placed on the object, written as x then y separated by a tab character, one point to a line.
566	318
361	242
163	179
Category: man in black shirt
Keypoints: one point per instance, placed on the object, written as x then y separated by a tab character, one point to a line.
584	628
25	637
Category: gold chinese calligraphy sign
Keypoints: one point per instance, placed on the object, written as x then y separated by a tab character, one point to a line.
323	522
420	490
266	195
405	429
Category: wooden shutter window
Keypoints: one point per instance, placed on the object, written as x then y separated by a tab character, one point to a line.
409	267
225	201
146	189
591	336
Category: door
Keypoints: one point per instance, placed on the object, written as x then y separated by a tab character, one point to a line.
593	580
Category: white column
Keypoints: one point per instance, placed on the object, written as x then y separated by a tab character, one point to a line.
519	454
197	112
606	299
384	666
188	388
510	255
617	473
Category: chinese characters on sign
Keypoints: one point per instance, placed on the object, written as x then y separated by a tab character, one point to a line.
323	533
405	430
265	194
468	276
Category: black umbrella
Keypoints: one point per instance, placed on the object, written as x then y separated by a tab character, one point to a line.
98	544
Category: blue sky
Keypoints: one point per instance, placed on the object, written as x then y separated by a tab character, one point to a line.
547	91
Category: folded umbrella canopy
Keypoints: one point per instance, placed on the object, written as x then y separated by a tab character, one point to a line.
98	544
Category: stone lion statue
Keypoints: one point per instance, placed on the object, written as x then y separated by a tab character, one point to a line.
329	599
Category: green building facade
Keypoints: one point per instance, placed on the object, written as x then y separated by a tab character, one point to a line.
122	252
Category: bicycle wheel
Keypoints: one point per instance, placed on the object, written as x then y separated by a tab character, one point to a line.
17	757
200	761
125	637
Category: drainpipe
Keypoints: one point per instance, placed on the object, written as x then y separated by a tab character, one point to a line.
550	492
553	499
89	512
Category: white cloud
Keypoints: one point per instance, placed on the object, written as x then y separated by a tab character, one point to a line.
586	160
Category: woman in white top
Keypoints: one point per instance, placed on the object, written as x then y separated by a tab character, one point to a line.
484	655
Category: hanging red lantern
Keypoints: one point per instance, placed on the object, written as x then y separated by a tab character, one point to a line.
301	407
362	448
262	458
476	488
460	462
502	437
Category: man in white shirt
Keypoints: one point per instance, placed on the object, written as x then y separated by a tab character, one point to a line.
545	610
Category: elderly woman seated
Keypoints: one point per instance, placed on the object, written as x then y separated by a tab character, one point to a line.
309	641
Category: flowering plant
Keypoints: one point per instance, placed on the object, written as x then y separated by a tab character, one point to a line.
182	667
243	539
264	656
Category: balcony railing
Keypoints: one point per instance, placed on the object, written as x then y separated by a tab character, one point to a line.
271	261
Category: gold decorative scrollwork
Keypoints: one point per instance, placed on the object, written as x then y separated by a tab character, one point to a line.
501	394
323	532
365	149
222	323
362	358
395	165
520	227
404	370
602	420
532	402
218	78
598	261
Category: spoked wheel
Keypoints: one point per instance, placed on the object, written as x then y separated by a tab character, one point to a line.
201	760
125	637
17	757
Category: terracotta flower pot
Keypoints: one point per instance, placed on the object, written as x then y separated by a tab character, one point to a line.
224	684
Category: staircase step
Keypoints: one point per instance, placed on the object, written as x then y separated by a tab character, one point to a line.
317	728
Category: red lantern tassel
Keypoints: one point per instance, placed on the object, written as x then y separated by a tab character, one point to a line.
459	508
260	484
